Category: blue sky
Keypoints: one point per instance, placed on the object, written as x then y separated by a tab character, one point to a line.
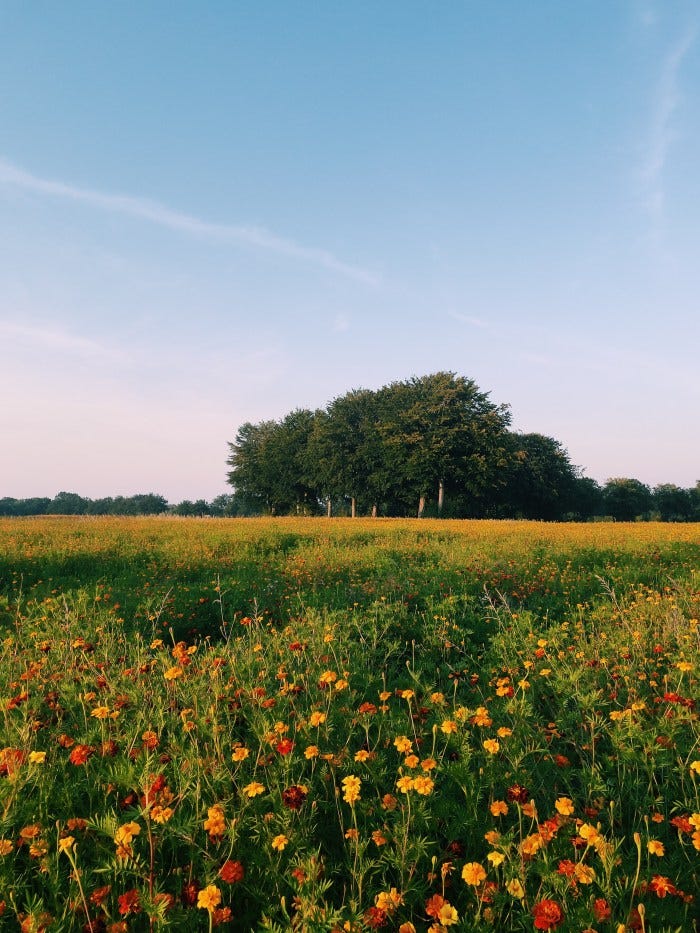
215	212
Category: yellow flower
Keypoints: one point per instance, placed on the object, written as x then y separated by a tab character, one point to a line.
405	784
279	842
423	785
655	847
100	712
695	767
389	900
564	805
161	814
351	789
504	732
531	844
492	746
311	751
499	808
66	844
588	832
412	761
437	698
407	694
496	858
362	755
428	764
584	874
37	758
253	789
515	889
209	898
173	673
240	753
684	666
448	915
474	873
328	677
449	726
316	718
403	744
215	823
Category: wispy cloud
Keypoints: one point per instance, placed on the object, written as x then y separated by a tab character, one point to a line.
55	340
153	212
467	319
663	134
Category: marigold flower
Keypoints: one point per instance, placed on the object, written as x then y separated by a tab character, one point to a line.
448	726
362	755
316	718
496	858
37	758
389	802
403	744
253	789
6	846
160	814
209	898
284	747
428	764
515	889
351	789
481	717
80	754
129	902
601	909
389	900
215	823
405	784
661	886
231	872
66	843
279	842
584	874
547	915
311	751
411	761
564	805
150	740
504	732
474	873
448	915
492	746
423	785
240	753
293	797
499	808
100	712
531	844
695	767
655	847
173	673
378	838
433	905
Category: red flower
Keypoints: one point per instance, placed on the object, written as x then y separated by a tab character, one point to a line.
293	797
547	915
433	906
601	909
231	872
80	754
284	746
682	824
129	903
190	890
518	794
661	886
375	918
567	868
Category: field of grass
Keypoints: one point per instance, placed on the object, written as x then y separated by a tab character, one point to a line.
323	725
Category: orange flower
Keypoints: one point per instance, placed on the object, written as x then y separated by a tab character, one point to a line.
215	823
209	898
499	808
474	873
253	789
351	789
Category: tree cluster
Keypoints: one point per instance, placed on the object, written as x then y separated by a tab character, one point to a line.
430	445
70	503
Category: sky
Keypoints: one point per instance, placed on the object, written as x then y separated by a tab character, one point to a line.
216	212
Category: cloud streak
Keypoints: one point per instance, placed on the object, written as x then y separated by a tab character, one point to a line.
151	211
667	98
56	340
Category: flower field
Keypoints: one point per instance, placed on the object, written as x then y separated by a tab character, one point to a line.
322	725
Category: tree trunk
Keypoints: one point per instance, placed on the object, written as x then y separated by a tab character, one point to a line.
421	506
441	496
353	505
374	510
328	507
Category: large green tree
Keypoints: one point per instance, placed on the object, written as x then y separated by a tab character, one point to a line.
439	433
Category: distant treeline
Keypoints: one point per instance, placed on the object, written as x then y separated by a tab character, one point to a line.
70	503
430	445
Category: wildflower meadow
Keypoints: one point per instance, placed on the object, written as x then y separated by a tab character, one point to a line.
348	725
